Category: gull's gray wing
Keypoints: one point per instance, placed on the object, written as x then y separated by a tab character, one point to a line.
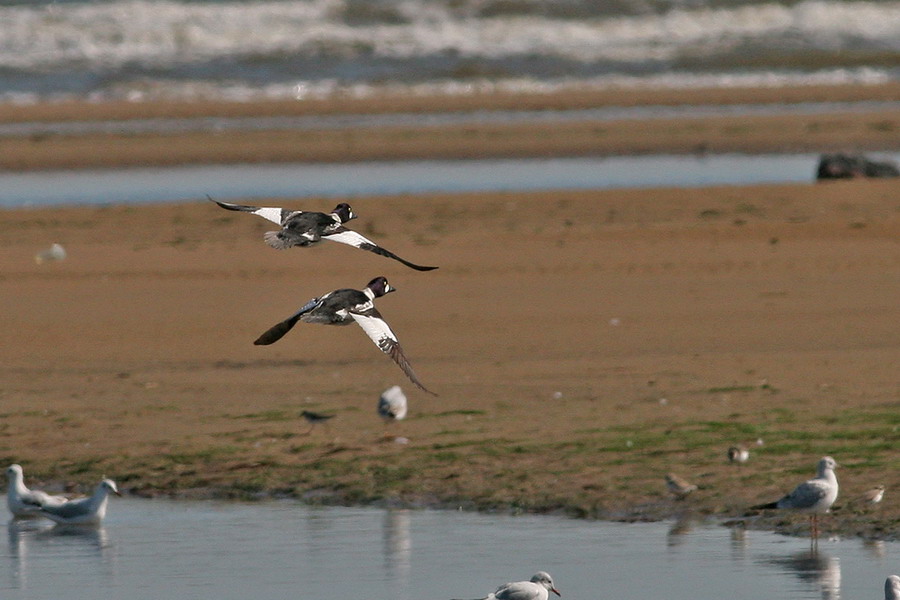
69	510
806	495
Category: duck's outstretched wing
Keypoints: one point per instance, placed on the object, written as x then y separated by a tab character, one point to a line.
276	332
352	238
272	213
378	331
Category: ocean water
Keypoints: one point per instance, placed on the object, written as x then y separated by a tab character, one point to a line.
246	49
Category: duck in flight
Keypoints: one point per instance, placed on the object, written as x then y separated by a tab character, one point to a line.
345	306
304	228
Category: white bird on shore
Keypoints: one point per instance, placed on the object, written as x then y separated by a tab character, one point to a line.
814	496
22	502
83	511
537	588
738	454
892	588
392	404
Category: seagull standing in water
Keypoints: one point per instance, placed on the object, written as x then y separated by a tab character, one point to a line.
892	587
537	588
814	496
305	228
24	503
345	306
83	511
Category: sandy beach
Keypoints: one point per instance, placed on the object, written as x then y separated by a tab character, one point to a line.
582	344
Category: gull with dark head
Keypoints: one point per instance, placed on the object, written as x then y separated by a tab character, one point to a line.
24	503
83	511
814	496
537	588
345	306
392	405
738	454
305	228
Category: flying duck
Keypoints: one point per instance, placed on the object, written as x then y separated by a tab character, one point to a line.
304	228
345	306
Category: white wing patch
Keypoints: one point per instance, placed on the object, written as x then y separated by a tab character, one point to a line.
269	212
376	328
350	237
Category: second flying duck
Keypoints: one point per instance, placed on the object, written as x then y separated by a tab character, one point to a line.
345	306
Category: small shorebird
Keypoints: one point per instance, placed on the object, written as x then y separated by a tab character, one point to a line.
738	454
678	486
83	511
537	588
345	306
314	418
305	228
24	503
873	496
814	496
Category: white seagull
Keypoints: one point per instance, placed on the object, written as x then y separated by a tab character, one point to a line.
814	496
392	404
345	306
538	588
22	502
305	228
738	454
892	587
83	511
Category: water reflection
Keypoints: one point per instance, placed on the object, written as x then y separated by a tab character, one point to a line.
815	567
42	538
680	529
149	550
397	544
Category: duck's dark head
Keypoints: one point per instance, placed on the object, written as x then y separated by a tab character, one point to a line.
344	212
380	286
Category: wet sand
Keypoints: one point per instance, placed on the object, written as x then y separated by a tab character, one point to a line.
582	345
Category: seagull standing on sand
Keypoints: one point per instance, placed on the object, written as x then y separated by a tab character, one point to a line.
892	587
22	502
814	496
538	588
305	228
738	454
83	511
678	486
392	404
345	306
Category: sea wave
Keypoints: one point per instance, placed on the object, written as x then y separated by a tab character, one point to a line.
131	47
